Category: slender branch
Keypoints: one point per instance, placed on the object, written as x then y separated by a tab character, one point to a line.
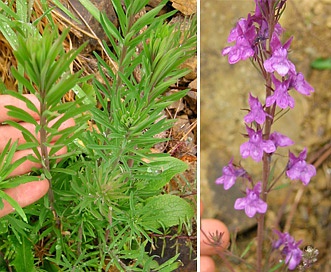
45	154
265	174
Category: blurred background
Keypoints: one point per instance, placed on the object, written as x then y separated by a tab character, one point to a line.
224	93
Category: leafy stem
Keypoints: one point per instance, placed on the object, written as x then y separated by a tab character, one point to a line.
46	65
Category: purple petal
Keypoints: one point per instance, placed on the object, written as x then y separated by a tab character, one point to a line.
250	211
261	206
280	139
256	153
240	203
245	150
268	146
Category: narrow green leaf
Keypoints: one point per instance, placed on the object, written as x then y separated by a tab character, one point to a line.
23	98
15	181
146	19
170	265
10	166
9	12
61	88
28	136
134	7
8	33
92	9
22	80
22	10
7	154
14	204
277	266
21	115
64	171
246	250
120	15
111	32
65	10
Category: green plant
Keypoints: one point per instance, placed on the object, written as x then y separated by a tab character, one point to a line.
106	195
321	64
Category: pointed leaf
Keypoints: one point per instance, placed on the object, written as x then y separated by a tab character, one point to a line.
24	260
14	204
166	211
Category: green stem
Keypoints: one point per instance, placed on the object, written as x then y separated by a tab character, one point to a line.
44	153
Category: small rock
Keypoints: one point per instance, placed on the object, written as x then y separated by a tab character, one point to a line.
191	64
177	105
154	3
194	85
187	7
191	99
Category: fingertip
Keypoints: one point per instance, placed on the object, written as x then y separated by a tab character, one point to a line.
207	264
30	192
211	227
25	194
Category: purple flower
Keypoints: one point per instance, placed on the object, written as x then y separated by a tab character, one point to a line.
280	139
244	35
291	250
298	168
256	113
256	145
279	62
275	42
230	174
252	202
298	82
281	96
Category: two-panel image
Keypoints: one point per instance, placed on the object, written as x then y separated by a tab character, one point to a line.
165	135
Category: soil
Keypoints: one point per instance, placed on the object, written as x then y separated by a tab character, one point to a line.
224	92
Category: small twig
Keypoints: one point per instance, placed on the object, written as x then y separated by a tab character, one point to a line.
192	126
294	208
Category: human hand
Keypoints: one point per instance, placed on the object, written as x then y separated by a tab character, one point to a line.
210	226
27	193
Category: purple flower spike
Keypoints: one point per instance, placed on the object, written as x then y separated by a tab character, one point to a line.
279	62
256	113
230	174
243	34
291	250
252	202
256	145
298	168
280	139
281	96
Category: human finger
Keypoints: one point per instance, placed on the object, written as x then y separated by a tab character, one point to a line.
7	100
8	132
27	165
213	227
25	194
207	264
